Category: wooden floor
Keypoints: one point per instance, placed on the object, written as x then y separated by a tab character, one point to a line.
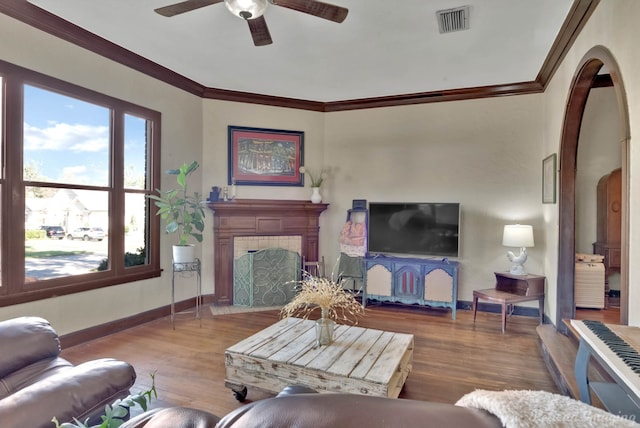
451	358
560	350
610	315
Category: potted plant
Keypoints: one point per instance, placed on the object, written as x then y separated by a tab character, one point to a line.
118	412
316	182
183	213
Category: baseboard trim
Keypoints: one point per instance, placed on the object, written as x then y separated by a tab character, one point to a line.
95	332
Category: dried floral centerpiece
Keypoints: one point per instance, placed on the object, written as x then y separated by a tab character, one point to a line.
335	303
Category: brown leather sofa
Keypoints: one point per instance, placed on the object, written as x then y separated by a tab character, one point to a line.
299	407
36	384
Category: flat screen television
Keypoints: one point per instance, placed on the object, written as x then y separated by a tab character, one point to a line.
430	229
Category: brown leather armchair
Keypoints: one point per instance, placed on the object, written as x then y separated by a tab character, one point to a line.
36	384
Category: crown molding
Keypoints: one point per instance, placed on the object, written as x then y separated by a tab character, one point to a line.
437	96
576	19
246	97
38	18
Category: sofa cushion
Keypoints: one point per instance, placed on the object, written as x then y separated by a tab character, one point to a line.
31	374
24	341
81	391
173	417
353	411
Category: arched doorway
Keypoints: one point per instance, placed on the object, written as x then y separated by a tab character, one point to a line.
587	71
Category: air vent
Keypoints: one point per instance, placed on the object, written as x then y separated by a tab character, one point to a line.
456	19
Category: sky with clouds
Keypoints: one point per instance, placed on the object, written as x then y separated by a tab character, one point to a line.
67	139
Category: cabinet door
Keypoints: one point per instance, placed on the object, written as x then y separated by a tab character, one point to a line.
438	286
408	284
613	258
378	280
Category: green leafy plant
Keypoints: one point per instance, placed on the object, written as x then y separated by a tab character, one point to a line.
117	413
183	212
130	259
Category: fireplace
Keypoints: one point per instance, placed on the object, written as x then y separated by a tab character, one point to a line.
265	277
259	217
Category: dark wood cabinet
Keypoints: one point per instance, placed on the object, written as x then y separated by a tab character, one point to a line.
609	220
522	285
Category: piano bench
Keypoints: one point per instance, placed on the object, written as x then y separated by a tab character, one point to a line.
505	299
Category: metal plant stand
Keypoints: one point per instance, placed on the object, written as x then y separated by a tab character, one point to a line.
186	267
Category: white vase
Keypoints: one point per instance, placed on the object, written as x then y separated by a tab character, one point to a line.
184	253
316	197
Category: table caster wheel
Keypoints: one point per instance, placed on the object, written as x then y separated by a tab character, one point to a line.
241	395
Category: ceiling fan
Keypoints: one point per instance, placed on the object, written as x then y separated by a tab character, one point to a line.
252	11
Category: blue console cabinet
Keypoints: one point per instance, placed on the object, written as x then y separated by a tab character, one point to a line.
411	281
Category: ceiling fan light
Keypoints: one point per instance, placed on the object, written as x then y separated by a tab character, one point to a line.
246	9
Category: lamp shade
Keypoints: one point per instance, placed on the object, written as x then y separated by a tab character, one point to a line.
517	235
246	9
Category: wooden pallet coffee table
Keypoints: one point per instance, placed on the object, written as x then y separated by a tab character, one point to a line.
360	360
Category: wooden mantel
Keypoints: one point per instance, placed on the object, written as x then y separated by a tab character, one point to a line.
259	217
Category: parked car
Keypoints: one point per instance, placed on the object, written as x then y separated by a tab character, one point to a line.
53	232
87	233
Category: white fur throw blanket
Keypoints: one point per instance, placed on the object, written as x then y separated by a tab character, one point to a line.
529	409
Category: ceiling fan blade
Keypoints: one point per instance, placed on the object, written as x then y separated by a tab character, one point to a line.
185	6
259	31
315	8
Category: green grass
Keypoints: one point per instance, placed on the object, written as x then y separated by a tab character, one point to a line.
29	252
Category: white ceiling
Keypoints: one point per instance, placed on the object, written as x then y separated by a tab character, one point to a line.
382	48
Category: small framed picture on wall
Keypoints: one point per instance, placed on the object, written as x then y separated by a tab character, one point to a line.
549	179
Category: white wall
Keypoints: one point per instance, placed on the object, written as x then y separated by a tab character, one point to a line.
599	153
217	116
614	26
484	154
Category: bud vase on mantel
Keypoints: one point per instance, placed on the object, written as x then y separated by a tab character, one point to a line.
316	197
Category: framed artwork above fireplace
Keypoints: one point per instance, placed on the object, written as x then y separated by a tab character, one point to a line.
265	157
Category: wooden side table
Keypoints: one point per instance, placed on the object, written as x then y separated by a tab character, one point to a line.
511	289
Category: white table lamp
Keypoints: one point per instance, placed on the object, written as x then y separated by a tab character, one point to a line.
518	235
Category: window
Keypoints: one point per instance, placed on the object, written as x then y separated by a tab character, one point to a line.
80	165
